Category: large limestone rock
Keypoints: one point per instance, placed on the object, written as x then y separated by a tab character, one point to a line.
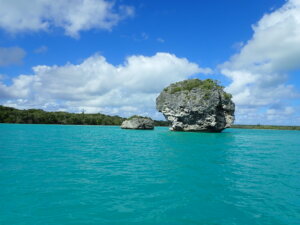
196	105
139	123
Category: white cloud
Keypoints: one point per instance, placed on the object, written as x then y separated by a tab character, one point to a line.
11	56
259	72
145	36
41	49
98	86
274	115
160	40
285	110
71	15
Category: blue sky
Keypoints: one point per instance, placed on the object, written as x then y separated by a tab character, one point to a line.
114	56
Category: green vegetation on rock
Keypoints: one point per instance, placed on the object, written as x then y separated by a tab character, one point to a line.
137	116
188	85
227	96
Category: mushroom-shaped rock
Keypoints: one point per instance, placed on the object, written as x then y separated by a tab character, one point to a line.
138	123
196	105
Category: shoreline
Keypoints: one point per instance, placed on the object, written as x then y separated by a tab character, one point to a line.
238	126
265	127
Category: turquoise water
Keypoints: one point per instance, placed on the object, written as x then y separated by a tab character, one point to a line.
52	174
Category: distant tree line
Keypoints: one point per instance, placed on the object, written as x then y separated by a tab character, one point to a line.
38	116
268	127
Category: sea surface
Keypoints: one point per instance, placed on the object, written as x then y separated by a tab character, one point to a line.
58	174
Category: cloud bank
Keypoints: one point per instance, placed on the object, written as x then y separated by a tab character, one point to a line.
259	72
98	86
72	16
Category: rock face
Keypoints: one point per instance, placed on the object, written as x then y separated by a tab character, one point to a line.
138	123
196	105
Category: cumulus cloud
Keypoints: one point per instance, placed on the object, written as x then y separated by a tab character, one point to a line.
11	56
259	72
72	16
98	86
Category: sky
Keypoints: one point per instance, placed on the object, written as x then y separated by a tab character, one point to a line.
114	57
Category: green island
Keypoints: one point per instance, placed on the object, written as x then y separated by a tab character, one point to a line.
266	127
39	116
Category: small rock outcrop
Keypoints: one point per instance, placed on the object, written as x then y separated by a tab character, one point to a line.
138	123
196	105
